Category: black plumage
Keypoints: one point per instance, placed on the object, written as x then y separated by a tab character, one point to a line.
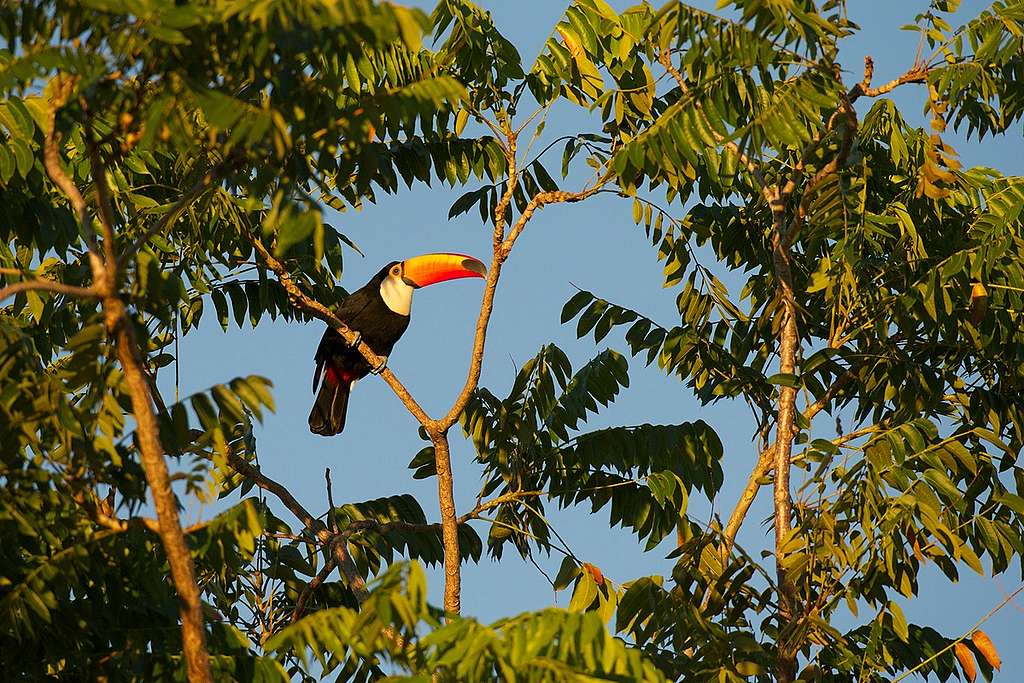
341	365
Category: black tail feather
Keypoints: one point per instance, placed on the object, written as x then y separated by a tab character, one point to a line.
328	415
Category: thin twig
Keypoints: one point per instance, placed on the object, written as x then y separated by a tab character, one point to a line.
1008	599
190	195
307	592
332	518
340	552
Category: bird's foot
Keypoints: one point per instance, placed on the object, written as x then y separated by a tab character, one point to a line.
355	342
380	366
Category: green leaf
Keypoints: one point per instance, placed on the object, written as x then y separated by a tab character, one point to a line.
567	573
785	380
574	305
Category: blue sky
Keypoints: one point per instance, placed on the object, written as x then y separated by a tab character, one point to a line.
593	245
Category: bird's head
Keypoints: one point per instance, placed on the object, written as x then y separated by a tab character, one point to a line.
399	279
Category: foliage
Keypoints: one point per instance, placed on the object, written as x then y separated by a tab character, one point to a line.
213	126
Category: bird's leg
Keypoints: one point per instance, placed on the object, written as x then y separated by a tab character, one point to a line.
380	366
355	342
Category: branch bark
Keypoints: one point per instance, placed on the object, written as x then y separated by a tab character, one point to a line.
300	604
314	526
54	169
789	342
193	193
449	525
779	455
915	74
179	558
766	463
437	429
119	328
42	285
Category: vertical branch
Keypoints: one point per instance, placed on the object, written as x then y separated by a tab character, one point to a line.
449	525
789	337
779	456
766	463
784	433
119	327
437	429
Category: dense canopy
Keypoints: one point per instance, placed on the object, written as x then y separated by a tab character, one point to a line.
165	163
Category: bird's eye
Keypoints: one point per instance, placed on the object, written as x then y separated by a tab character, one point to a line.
396	271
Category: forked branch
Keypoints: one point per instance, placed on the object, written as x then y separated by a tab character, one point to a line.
438	429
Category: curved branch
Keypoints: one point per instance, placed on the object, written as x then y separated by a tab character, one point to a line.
501	252
316	309
51	162
190	195
120	329
314	526
915	74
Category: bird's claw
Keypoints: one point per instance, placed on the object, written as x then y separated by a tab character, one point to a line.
380	366
355	342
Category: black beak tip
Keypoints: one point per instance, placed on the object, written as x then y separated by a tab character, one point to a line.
471	264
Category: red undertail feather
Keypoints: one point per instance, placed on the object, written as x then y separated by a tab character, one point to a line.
328	415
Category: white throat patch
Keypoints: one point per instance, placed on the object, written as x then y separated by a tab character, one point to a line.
396	294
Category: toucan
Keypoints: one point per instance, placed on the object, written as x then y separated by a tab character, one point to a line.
378	312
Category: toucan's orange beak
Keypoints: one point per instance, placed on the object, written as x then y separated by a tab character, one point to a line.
420	271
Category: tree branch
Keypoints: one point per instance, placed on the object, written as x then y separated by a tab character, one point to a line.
332	517
916	74
300	604
340	556
300	300
789	341
147	523
500	500
501	253
449	525
788	346
314	526
179	558
194	192
41	285
765	464
431	527
106	214
51	162
119	328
